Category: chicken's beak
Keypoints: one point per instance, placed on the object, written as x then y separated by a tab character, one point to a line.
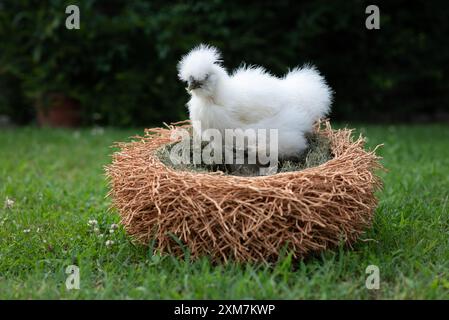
193	84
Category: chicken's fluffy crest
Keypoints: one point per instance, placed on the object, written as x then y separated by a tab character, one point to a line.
198	62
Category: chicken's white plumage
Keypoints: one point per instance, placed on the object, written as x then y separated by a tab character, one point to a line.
252	98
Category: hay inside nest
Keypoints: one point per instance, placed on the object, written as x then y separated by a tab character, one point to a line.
317	152
245	218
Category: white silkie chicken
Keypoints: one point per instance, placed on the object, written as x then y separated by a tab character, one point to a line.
252	98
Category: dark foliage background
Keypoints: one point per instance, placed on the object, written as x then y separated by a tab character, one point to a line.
121	64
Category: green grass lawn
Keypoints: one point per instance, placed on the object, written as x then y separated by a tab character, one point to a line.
56	180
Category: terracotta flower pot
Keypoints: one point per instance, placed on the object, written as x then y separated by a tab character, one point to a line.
59	111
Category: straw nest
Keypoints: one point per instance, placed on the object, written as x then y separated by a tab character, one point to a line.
244	218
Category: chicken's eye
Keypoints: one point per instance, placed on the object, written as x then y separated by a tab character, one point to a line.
206	77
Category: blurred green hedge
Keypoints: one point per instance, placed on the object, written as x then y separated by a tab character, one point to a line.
121	64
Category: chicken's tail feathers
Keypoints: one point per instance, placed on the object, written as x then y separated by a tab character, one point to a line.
198	61
312	90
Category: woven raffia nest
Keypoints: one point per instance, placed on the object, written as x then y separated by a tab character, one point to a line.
244	218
